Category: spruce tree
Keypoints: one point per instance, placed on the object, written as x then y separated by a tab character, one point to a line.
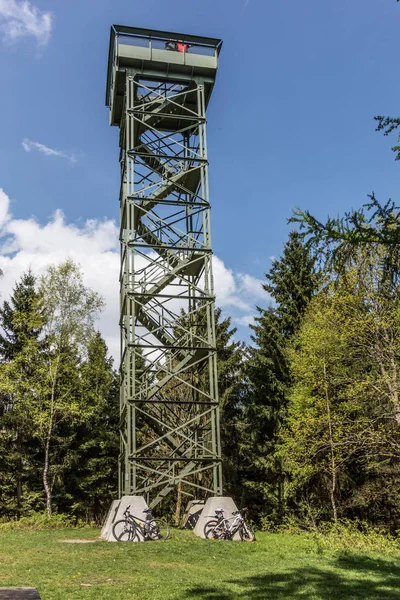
18	318
291	283
230	357
91	477
21	323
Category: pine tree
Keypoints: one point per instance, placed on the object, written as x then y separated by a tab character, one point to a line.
291	283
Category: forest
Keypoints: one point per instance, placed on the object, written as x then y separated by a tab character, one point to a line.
310	408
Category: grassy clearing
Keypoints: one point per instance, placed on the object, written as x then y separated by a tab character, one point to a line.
276	567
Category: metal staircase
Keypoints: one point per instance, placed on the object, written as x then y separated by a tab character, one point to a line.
169	392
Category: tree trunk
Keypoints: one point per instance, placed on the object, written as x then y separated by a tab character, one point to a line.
382	356
178	505
46	485
394	391
281	490
20	466
332	490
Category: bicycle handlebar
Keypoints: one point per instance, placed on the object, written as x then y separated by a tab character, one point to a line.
221	511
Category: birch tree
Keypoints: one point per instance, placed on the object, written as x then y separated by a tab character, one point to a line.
71	310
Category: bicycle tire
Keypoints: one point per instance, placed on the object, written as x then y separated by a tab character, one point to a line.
211	532
123	531
246	533
158	530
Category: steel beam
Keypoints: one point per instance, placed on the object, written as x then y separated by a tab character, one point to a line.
169	388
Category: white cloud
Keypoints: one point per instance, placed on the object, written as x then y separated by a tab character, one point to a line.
28	145
19	19
25	243
245	321
226	286
251	286
4	207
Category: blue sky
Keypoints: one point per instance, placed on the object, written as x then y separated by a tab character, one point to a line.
290	123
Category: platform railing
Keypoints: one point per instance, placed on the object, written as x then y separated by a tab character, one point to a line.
157	40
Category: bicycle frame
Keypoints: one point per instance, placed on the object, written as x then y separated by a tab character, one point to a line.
225	523
141	529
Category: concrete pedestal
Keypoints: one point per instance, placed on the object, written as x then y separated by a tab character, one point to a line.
192	513
137	506
208	512
110	519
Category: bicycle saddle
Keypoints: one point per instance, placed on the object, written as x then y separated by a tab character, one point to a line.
219	510
147	510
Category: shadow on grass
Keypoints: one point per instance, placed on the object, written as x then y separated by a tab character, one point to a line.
350	577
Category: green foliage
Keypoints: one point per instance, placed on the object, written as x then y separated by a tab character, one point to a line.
291	283
41	522
230	357
350	535
22	321
58	399
388	125
346	535
342	431
91	479
337	241
20	318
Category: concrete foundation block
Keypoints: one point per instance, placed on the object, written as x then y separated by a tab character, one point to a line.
110	519
192	513
137	506
208	513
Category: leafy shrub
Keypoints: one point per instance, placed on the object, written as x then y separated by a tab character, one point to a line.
352	535
345	535
40	522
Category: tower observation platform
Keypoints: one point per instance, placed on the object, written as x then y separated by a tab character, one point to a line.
158	88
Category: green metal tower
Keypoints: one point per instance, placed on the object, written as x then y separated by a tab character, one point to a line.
157	96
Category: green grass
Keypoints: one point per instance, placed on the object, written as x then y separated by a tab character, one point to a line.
276	567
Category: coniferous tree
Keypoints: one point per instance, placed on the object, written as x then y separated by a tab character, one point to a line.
291	283
15	321
91	479
231	358
21	323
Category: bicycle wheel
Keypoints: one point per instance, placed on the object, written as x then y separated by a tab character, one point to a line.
158	530
212	531
124	531
246	533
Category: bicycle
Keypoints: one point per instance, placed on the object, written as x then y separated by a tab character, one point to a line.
221	528
131	528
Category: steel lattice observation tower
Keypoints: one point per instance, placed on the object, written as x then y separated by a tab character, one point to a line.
169	392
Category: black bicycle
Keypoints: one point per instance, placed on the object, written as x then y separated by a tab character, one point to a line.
133	529
220	528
